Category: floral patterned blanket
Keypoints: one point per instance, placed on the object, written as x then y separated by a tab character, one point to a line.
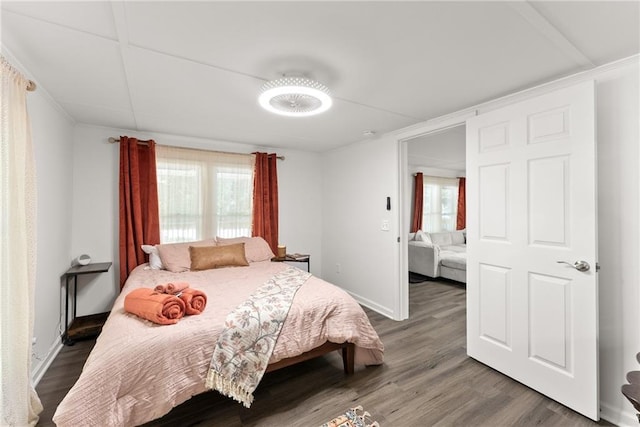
244	348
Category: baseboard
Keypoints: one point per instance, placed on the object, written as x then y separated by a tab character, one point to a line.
617	416
385	311
38	371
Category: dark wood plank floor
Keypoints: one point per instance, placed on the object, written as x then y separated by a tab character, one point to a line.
427	380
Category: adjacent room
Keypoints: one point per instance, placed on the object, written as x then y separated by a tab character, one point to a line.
381	213
437	240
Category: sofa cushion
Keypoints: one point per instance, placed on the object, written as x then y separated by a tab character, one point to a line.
442	238
457	237
454	260
454	248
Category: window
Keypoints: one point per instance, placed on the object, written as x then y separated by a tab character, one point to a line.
203	194
440	204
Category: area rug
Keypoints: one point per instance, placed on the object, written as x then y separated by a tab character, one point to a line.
417	278
354	417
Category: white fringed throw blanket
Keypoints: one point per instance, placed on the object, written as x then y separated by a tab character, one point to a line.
244	348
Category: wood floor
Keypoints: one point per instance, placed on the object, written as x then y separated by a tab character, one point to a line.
427	380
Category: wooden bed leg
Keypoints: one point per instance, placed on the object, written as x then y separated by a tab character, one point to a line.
348	358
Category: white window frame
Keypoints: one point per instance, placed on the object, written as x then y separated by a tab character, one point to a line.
433	217
205	215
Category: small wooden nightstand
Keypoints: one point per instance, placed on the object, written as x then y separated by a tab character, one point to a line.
83	326
294	258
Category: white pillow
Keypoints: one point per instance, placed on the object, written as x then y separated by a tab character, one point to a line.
155	263
421	236
442	238
176	257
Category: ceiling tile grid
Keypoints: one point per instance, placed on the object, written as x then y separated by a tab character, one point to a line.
195	68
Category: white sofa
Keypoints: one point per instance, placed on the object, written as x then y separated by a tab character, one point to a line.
442	254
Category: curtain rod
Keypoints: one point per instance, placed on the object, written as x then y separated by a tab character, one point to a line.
113	140
31	85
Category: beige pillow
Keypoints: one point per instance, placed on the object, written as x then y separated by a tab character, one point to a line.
175	256
255	248
208	257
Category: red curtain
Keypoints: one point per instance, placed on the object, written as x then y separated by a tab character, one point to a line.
265	199
461	220
416	221
139	217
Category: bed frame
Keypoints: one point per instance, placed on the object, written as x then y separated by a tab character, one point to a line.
348	351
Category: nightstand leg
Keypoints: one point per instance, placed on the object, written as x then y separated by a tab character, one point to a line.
66	312
75	294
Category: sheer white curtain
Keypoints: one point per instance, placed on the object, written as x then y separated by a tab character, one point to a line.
20	403
203	194
440	204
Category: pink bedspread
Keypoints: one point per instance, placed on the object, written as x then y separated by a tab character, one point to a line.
139	371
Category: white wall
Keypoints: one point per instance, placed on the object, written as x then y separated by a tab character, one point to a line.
95	216
618	113
52	136
95	209
357	180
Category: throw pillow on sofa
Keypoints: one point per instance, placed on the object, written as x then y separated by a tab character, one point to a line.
421	236
442	238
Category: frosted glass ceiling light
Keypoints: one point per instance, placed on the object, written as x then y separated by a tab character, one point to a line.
295	97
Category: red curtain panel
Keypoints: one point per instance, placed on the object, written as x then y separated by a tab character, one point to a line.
461	220
265	199
139	215
418	195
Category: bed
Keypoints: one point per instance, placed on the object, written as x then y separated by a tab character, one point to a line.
138	371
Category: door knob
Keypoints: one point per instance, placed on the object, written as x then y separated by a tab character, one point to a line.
578	265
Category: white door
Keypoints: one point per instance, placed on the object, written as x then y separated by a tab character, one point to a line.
531	203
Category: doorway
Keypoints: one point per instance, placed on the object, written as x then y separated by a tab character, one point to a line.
439	157
418	151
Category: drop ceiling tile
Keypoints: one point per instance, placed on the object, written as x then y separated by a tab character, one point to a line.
72	66
463	54
165	84
93	17
603	30
99	116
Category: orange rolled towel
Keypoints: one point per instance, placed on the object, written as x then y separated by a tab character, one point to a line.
172	288
194	300
163	309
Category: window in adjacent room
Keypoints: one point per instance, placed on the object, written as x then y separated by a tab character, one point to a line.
203	194
440	204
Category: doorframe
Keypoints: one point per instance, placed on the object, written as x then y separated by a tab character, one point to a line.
402	138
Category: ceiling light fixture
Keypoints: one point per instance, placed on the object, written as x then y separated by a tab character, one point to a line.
295	97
